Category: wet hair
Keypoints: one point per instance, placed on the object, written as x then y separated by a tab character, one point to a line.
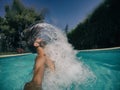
43	44
30	35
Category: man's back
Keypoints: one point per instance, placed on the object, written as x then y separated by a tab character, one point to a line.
39	67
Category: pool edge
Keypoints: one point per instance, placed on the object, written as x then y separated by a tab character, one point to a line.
100	49
2	56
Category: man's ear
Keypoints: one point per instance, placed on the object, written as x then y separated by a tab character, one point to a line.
35	44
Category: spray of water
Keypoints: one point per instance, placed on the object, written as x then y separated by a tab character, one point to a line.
68	70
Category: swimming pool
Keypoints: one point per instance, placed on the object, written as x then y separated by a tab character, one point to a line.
105	64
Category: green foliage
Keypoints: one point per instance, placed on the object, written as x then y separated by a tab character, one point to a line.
17	18
66	29
100	30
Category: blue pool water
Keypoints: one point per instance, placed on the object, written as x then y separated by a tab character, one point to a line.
105	64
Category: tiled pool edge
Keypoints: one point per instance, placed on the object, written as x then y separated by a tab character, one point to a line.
2	56
100	49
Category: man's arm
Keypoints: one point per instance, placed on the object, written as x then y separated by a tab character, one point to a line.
38	70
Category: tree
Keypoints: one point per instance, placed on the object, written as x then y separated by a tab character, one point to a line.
100	30
66	29
17	18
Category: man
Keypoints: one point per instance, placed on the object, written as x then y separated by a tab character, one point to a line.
39	66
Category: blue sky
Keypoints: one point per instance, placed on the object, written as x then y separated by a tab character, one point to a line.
61	12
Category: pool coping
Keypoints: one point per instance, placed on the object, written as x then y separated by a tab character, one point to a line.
2	56
100	49
11	55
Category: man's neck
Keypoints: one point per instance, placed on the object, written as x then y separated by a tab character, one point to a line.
40	51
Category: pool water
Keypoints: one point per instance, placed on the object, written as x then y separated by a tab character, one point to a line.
105	64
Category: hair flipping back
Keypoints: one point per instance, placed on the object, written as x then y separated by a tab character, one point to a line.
30	35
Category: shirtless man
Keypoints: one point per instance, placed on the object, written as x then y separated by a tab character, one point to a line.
39	66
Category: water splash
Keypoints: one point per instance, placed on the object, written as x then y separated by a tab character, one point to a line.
68	69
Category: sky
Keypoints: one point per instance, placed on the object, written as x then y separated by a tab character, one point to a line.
60	12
